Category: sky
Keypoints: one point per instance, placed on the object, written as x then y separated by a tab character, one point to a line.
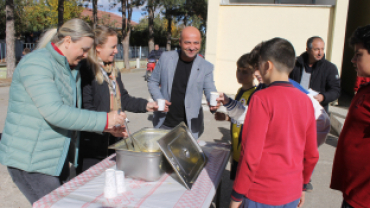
107	6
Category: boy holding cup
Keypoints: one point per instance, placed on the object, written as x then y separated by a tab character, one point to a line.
245	77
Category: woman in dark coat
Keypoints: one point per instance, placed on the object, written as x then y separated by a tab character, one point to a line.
103	90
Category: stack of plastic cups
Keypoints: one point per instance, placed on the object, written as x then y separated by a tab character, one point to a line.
120	181
110	188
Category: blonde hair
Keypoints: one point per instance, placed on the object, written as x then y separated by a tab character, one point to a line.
101	37
75	28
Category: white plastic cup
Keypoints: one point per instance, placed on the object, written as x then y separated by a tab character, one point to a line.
212	100
161	104
110	188
120	181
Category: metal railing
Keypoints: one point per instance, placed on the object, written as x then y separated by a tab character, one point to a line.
29	45
134	51
19	47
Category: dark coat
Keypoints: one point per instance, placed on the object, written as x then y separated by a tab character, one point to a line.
155	54
96	97
324	78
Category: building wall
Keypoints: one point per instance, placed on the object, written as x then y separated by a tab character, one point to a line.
233	30
358	15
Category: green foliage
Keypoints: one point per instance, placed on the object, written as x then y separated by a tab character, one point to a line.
140	32
34	16
18	11
182	12
2	19
71	10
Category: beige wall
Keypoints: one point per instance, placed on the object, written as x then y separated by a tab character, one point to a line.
233	30
358	15
337	33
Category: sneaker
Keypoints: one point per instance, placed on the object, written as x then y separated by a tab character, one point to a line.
309	187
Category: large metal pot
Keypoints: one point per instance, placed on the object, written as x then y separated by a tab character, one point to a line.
162	151
147	166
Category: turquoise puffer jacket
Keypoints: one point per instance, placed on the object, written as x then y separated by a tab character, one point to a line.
41	112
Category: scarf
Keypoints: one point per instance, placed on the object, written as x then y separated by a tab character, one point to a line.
109	75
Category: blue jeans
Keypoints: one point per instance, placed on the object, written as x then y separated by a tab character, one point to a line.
36	185
247	203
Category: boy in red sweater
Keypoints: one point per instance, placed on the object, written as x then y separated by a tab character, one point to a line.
351	167
279	146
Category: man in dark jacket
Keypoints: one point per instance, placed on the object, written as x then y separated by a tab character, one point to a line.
156	53
314	72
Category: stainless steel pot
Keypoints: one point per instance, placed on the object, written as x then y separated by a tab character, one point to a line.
147	166
174	150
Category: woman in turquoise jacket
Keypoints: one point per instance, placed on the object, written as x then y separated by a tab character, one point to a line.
43	111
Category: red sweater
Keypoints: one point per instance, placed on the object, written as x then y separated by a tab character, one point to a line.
360	81
351	168
279	146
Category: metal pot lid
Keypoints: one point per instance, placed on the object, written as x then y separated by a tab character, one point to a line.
183	153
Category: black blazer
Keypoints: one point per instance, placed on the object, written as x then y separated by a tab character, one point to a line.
96	97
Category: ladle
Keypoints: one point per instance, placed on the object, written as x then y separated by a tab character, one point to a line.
134	142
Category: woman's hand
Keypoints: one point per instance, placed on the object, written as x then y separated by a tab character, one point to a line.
115	119
119	131
152	106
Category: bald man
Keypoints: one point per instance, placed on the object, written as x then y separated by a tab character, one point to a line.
181	77
313	71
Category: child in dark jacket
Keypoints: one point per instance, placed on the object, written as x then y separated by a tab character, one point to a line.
279	146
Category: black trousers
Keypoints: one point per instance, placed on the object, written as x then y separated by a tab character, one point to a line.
34	186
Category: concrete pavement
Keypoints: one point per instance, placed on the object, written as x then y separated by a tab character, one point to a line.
321	197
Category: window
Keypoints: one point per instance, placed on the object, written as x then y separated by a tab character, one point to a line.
312	2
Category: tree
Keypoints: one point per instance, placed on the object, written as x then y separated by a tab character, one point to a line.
36	16
199	18
186	12
126	8
194	13
140	33
169	29
2	20
171	9
151	7
10	38
18	13
150	25
41	15
71	8
124	32
60	12
95	12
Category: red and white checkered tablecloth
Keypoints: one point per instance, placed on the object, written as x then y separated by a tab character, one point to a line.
86	190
